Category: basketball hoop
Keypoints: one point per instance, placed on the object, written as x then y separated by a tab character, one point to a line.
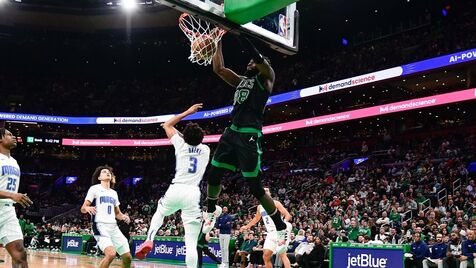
203	38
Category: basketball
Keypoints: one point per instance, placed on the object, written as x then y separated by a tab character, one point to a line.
203	47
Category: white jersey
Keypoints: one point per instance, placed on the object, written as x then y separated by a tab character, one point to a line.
191	161
105	200
9	176
268	222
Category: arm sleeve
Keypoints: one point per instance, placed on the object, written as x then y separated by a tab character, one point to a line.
90	195
117	198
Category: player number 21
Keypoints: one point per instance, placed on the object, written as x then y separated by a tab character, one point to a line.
12	184
193	165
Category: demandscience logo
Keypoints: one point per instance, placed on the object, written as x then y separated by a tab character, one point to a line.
349	83
365	261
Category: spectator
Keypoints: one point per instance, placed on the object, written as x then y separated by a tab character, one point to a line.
241	255
453	255
224	225
418	252
314	258
437	253
468	250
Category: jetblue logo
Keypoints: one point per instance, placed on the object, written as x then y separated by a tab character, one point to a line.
72	244
365	260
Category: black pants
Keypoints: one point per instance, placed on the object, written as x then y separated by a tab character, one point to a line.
409	263
207	251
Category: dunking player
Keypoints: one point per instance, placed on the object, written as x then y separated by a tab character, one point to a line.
270	243
240	143
102	203
10	232
184	192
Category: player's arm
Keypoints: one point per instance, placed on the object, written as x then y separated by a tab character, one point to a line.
252	223
283	210
87	208
224	73
263	66
21	199
121	216
169	125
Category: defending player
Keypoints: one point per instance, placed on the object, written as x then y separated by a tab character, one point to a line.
10	232
184	192
240	144
271	243
102	203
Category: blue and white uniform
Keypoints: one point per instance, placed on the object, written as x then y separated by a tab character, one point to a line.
105	229
10	229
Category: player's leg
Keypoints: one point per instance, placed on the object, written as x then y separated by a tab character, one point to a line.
122	247
166	206
267	254
269	247
285	260
102	234
12	237
191	217
249	158
109	255
18	253
223	159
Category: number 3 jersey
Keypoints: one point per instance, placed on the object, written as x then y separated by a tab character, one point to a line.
191	161
9	177
105	200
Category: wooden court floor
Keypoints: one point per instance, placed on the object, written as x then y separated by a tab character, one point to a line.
43	259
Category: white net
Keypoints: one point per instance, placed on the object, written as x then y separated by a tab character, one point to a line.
203	38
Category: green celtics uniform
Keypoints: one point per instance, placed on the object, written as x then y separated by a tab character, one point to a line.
240	144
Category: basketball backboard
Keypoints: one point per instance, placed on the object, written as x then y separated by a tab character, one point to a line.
279	30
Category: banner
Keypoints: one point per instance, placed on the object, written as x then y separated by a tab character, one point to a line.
408	105
421	66
72	243
173	249
350	255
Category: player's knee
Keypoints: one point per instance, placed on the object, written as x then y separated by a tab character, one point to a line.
110	254
214	176
19	257
267	255
126	259
256	188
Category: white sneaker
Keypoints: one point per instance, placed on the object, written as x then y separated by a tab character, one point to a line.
284	237
209	219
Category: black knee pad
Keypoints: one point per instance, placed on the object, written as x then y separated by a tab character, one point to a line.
256	188
214	175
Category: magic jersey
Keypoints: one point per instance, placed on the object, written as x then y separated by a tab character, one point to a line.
9	176
105	200
191	161
268	222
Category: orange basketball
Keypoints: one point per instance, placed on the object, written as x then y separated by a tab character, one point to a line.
203	47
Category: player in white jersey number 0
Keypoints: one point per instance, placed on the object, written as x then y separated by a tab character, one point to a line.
184	192
271	242
10	232
102	203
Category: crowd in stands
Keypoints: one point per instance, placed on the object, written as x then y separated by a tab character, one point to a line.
90	94
418	184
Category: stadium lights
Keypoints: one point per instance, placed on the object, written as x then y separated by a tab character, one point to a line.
128	5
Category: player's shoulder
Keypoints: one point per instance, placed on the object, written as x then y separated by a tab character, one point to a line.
204	147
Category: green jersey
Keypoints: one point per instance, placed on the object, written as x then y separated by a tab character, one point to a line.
249	103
